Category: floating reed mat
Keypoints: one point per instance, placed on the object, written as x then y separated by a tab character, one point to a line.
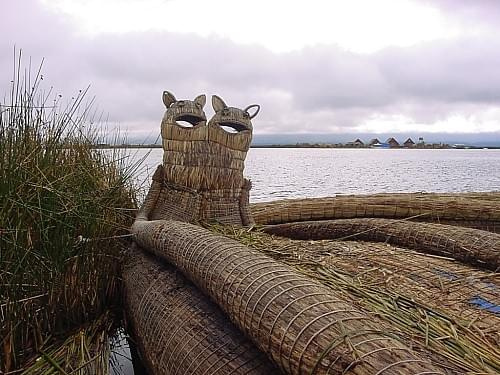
449	308
460	209
85	352
179	331
304	326
468	245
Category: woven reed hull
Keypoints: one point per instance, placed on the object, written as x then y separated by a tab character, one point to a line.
202	165
416	292
196	146
179	330
170	201
489	226
303	326
468	245
463	209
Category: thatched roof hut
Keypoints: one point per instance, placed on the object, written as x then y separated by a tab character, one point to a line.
392	142
409	143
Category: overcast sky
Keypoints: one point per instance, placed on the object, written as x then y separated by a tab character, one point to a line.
314	66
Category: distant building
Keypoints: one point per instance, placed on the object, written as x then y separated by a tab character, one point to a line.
392	143
356	143
374	141
409	143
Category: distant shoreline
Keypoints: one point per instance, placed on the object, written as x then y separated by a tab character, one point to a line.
422	147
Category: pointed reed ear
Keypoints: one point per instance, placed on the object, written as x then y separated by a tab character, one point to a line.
218	103
168	98
201	100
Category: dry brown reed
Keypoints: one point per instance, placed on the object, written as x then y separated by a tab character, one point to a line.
178	329
85	352
479	210
468	245
302	325
440	304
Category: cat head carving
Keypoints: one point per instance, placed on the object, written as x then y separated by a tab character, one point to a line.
233	119
185	113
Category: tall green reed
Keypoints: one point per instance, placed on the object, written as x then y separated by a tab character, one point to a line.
65	208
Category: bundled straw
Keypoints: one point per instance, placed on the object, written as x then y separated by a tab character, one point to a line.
202	175
478	210
306	328
449	308
178	329
468	245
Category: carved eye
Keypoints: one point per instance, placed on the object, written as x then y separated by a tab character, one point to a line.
225	111
246	114
181	103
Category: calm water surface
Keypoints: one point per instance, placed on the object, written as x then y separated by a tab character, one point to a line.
299	173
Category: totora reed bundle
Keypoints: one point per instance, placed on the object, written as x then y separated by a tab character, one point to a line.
181	331
477	210
442	305
305	327
468	245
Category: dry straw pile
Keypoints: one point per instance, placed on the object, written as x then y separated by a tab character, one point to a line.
477	210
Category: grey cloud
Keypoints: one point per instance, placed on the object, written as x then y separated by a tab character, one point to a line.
317	89
464	69
475	13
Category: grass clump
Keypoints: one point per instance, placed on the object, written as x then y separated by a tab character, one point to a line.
65	208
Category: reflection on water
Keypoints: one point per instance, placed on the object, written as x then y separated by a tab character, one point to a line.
121	359
299	173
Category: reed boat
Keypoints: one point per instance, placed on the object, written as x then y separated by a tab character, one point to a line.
366	284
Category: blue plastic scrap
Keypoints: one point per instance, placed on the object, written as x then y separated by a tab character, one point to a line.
485	304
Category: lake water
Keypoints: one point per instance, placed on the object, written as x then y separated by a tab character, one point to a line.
299	173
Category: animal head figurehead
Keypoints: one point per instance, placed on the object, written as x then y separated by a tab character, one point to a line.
182	114
237	123
205	162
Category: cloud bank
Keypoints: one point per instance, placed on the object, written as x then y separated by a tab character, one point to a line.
449	85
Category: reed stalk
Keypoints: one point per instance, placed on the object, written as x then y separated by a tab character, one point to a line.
62	205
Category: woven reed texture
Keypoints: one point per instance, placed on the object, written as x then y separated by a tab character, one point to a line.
202	177
468	245
305	327
168	201
477	209
179	330
440	304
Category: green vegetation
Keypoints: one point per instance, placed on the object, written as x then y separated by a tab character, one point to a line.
65	210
